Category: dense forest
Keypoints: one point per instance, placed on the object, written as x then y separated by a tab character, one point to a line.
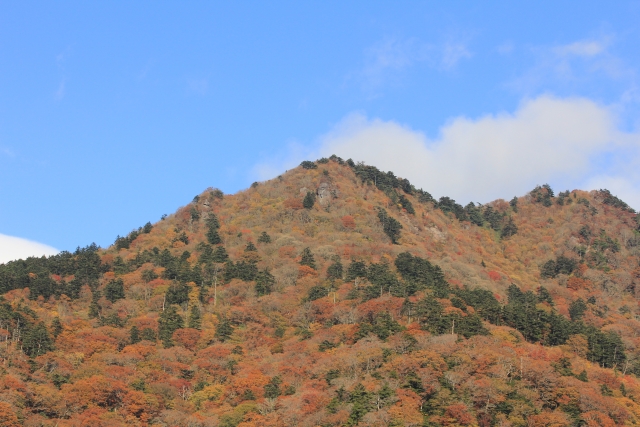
334	295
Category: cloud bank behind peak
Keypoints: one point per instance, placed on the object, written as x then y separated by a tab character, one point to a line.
568	142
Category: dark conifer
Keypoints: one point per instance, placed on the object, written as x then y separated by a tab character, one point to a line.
308	259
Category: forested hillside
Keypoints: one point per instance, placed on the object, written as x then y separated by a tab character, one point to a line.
334	295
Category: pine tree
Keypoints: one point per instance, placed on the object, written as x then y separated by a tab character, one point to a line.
134	335
335	270
390	226
56	327
509	229
577	309
224	330
94	308
264	283
148	334
307	258
272	389
220	255
250	247
309	200
195	318
169	322
114	290
213	224
36	341
514	204
264	238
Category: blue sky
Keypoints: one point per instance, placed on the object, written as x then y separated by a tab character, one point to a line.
114	113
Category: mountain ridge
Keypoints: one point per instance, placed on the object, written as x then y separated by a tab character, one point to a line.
335	294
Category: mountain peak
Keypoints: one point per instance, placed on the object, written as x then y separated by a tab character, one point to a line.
335	294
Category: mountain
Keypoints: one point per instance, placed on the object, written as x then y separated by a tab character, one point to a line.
334	295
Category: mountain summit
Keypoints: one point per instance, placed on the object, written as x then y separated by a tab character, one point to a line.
334	295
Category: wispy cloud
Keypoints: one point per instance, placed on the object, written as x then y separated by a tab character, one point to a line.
585	48
385	61
579	64
452	53
61	59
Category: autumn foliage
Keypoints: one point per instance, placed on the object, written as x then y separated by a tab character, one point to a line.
375	305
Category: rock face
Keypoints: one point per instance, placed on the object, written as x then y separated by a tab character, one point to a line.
324	193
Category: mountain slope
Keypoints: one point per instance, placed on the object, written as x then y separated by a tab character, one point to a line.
335	294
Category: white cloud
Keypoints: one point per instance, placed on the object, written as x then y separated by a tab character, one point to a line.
623	187
560	141
452	53
585	48
12	248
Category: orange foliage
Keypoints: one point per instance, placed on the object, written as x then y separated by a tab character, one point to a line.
313	351
293	203
348	222
576	283
305	271
187	337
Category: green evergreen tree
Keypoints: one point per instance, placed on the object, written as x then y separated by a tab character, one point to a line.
509	229
514	204
390	226
475	214
220	255
195	318
272	389
213	225
56	327
147	228
264	238
148	334
224	330
169	322
582	376
149	275
577	309
114	290
178	293
309	200
307	258
195	214
334	272
250	247
134	335
94	308
264	283
362	403
36	341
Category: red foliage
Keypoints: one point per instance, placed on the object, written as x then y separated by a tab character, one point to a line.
348	222
459	414
187	337
494	275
